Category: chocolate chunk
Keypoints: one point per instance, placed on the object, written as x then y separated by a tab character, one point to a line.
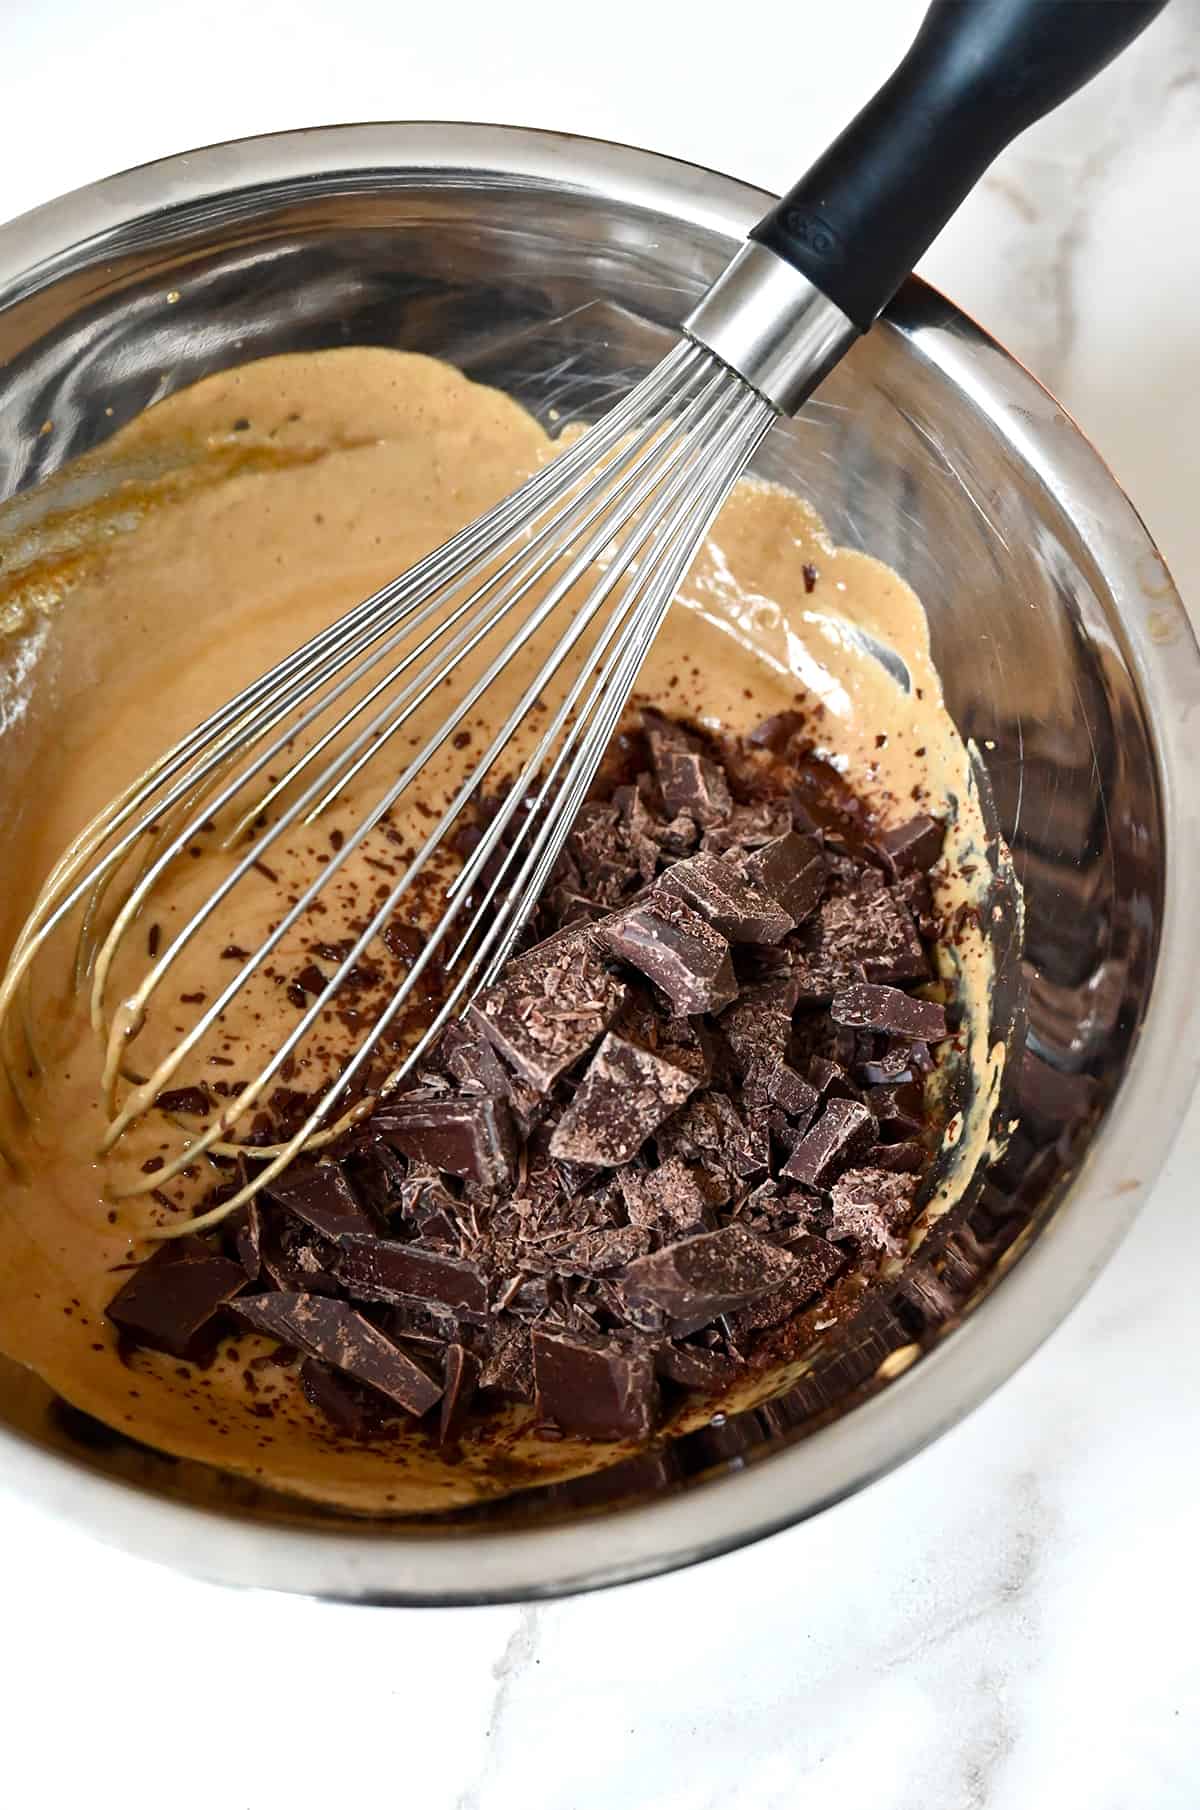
334	1332
900	1110
676	1197
870	1206
626	1093
749	826
716	890
471	1135
381	1269
608	864
507	1365
843	1132
674	947
173	1301
246	1227
869	930
593	1387
757	1026
791	870
710	1128
831	1079
694	1367
888	1009
354	1411
815	1264
190	1101
472	1061
913	847
778	1082
550	1007
601	1251
421	1323
460	1378
322	1198
775	732
900	1159
695	1280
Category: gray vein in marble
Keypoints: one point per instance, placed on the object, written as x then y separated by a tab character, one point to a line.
520	1652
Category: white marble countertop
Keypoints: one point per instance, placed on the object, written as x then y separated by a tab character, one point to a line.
1009	1621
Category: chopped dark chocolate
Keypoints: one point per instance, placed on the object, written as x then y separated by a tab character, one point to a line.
460	1378
697	1279
842	1133
472	1061
507	1365
354	1411
675	1197
716	889
871	930
174	1301
334	1332
592	1387
550	1007
382	1269
888	1009
674	947
777	1081
694	1366
815	1263
626	1093
871	1206
906	1158
469	1135
322	1198
899	1109
791	870
913	847
192	1102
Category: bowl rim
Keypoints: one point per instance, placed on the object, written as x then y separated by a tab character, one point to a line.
370	1565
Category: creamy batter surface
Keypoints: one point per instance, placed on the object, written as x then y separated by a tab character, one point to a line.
150	582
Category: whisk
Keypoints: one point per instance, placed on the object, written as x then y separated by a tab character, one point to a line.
615	519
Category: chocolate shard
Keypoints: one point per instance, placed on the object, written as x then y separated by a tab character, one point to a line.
676	1197
775	732
322	1198
351	1409
247	1231
871	930
757	1026
899	1109
749	826
695	1367
792	870
382	1269
626	1093
906	1158
888	1009
192	1102
674	947
913	847
550	1007
472	1061
697	1279
716	889
470	1135
691	785
175	1300
507	1363
460	1380
602	1251
844	1131
777	1081
592	1387
815	1264
334	1332
871	1206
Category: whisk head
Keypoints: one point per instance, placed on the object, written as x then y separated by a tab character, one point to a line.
383	730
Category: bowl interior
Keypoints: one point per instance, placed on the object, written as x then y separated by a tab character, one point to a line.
562	284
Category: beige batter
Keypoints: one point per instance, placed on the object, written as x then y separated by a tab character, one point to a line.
150	582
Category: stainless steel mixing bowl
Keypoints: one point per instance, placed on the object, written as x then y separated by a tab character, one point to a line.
556	268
